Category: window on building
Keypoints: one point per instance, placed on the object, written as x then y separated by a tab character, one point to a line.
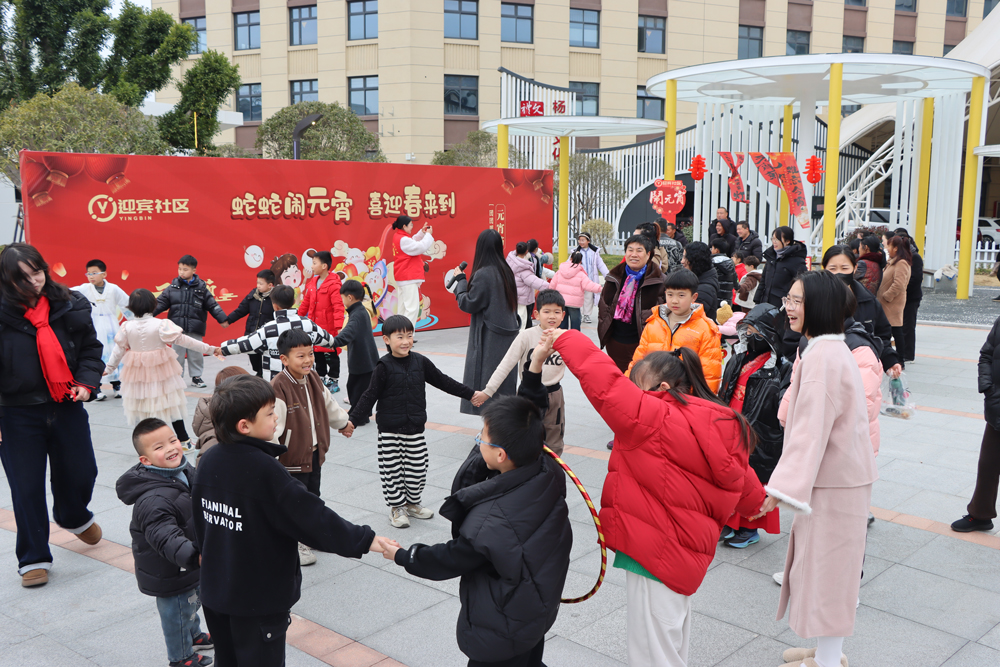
957	8
302	25
587	97
902	48
947	49
363	91
461	95
652	34
988	7
247	30
796	42
516	23
584	28
647	106
362	21
461	19
847	109
198	25
856	3
854	44
305	91
906	5
751	43
248	101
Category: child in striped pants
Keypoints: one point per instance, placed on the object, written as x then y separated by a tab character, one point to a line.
399	386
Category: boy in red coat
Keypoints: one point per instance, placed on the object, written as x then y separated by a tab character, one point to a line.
322	304
668	491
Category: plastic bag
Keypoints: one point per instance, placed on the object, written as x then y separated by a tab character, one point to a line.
896	397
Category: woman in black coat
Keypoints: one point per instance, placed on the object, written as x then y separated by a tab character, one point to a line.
914	293
50	363
698	258
786	259
983	506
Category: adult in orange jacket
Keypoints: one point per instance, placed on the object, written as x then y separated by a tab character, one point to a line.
682	323
678	470
322	304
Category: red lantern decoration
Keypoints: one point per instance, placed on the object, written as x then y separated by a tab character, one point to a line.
697	168
534	176
814	170
35	183
511	179
61	167
108	169
546	188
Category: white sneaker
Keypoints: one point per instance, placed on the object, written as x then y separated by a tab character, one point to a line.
418	512
586	319
779	578
100	396
398	518
306	555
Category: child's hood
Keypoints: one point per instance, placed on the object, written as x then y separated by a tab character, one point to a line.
138	481
519	263
569	269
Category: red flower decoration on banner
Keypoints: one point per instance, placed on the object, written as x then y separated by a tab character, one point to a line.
61	167
697	168
108	169
511	179
35	183
814	170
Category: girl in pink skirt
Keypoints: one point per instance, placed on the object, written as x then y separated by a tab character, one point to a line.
151	377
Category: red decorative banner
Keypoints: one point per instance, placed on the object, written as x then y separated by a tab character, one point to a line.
737	191
766	169
787	170
532	108
140	214
668	198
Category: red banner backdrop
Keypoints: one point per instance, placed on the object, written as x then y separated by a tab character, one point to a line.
139	214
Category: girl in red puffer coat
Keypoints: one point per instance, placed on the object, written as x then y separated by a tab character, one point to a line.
678	470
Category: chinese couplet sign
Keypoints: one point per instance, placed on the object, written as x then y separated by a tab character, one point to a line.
779	169
140	214
667	198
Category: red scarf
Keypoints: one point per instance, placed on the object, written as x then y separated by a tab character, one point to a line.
57	374
740	393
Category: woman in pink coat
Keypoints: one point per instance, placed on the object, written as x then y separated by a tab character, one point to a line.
572	282
825	474
526	281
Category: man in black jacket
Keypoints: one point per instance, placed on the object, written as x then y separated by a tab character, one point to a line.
512	536
188	303
258	309
249	517
166	558
748	241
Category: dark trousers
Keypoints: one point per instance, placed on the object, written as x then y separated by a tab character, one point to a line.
357	383
180	430
572	319
248	641
984	498
311	479
328	364
59	434
257	363
620	353
899	342
909	350
532	658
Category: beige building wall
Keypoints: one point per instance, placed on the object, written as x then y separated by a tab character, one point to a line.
411	56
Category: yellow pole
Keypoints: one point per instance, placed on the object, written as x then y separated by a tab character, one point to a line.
924	176
195	114
563	198
670	137
832	157
786	147
969	185
502	147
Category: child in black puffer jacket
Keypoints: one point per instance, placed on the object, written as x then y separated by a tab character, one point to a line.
167	562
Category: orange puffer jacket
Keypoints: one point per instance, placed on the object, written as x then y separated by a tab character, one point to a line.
698	333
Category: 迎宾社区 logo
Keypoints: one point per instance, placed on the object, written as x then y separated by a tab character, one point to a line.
104	208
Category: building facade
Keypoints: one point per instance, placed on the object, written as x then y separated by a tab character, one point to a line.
423	73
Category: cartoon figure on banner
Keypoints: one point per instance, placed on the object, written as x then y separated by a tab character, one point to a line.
253	255
286	272
667	198
307	264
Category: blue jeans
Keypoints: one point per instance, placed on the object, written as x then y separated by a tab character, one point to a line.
572	319
57	434
179	620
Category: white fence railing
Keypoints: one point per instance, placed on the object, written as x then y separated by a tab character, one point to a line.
983	257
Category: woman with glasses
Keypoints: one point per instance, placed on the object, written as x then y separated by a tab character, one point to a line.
824	475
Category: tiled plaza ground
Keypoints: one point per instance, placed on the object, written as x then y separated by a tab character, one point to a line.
928	598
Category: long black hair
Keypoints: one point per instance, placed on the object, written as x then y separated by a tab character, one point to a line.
681	370
489	252
14	283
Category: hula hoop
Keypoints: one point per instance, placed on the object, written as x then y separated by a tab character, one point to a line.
597	522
